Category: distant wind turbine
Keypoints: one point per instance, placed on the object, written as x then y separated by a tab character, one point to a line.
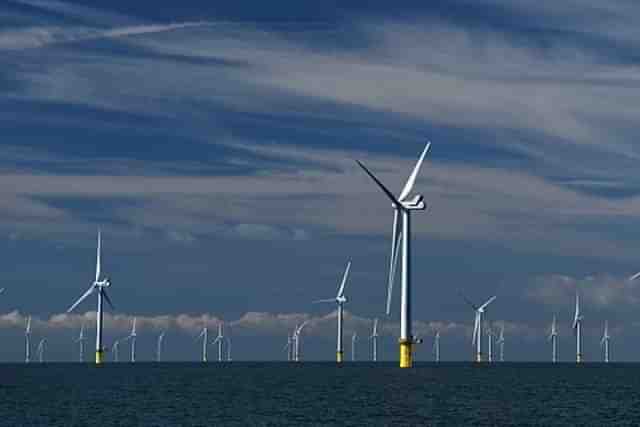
219	340
289	347
132	337
436	346
115	348
553	337
80	342
229	349
403	205
205	342
477	327
489	329
605	341
159	346
577	328
99	286
27	337
296	335
500	342
374	340
340	299
354	340
40	349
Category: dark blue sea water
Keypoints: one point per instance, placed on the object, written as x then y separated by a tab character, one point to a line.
314	394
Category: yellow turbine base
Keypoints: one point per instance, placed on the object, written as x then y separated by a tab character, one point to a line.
406	360
339	355
99	357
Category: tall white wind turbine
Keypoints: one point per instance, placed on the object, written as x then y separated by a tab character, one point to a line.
500	342
80	342
477	327
132	337
374	340
436	346
27	338
40	349
354	340
489	329
228	349
577	328
402	207
219	340
205	342
289	347
553	337
98	286
159	346
296	335
340	299
605	341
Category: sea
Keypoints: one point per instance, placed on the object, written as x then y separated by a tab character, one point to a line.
319	394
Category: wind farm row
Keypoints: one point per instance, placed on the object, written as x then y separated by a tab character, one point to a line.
402	207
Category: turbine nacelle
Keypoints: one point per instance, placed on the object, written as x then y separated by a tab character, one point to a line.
341	300
415	203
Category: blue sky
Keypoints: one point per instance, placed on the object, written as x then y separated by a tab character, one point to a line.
214	145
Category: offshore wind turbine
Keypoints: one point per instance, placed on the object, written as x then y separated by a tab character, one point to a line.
229	349
100	286
159	346
605	341
553	337
289	347
132	337
296	335
402	207
27	338
477	327
205	342
374	340
80	342
219	340
436	346
354	340
489	329
577	327
340	299
500	342
40	349
115	348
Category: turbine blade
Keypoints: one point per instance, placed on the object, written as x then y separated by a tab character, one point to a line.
375	326
475	307
344	280
397	238
489	301
476	328
382	187
107	299
98	255
412	178
324	300
89	291
133	330
28	325
635	276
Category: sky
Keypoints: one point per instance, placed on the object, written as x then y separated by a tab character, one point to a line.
214	146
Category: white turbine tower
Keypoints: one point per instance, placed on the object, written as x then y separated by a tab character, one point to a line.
228	349
477	327
553	337
205	342
99	286
40	349
500	342
374	340
605	341
115	348
296	335
159	346
403	206
354	340
27	337
577	327
132	337
436	346
80	342
219	340
289	347
340	299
